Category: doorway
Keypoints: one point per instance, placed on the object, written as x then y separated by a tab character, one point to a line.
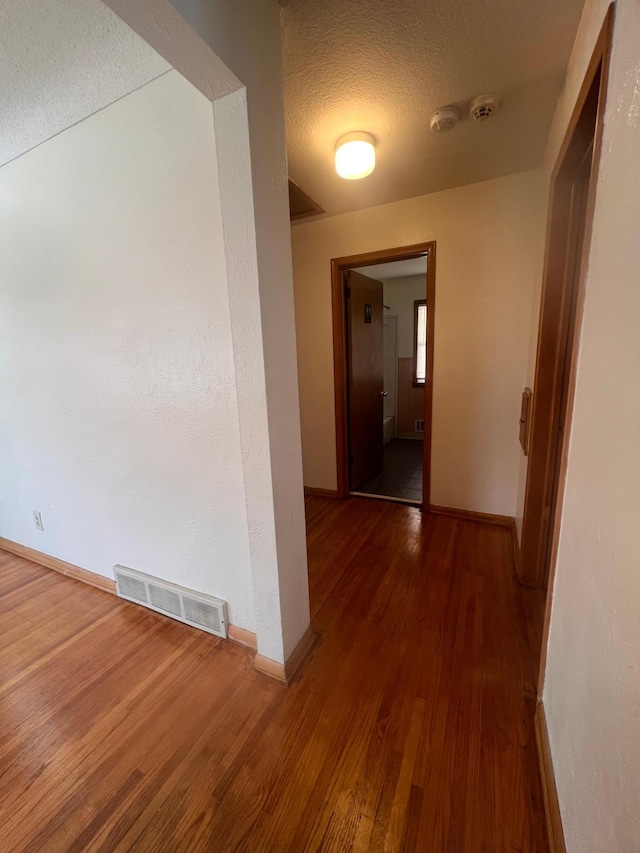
383	317
573	190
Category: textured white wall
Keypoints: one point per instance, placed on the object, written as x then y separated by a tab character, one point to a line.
245	36
119	418
61	61
234	159
592	687
489	258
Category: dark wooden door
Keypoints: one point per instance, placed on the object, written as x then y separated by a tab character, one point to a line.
553	371
577	220
568	237
366	377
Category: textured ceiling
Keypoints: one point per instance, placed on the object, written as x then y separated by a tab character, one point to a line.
61	61
384	67
395	269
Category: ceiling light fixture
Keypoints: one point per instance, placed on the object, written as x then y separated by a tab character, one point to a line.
355	155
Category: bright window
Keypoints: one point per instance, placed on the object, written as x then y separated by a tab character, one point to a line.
420	350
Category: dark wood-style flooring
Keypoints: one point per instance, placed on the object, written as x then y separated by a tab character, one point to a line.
410	728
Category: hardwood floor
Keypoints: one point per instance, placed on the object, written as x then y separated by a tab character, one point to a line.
410	728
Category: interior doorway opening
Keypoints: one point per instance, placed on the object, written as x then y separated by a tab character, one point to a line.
572	201
383	313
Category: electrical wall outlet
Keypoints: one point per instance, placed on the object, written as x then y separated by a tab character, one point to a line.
37	520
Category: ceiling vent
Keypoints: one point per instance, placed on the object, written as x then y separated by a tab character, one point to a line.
483	107
301	205
185	605
444	119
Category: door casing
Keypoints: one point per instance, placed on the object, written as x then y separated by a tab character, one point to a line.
339	267
561	308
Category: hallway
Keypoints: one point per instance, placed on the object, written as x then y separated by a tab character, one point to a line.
409	729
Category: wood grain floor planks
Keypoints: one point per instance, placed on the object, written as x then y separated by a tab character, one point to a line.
410	727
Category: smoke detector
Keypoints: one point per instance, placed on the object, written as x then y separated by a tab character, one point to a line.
483	107
446	118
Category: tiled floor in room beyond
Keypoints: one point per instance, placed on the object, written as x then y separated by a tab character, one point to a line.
402	473
409	729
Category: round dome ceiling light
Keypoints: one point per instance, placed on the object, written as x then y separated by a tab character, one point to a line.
483	107
444	119
355	155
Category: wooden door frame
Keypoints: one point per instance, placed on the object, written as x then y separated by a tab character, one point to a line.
540	536
339	266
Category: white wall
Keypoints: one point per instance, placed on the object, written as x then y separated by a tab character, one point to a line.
62	61
489	259
119	416
243	37
592	687
400	295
